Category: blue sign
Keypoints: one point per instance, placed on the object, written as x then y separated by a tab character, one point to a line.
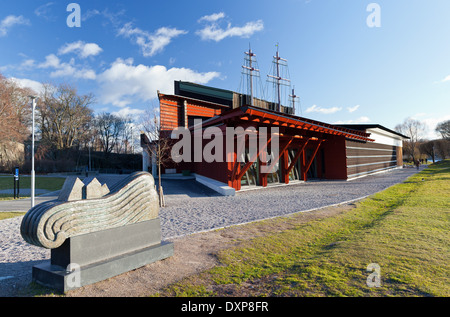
16	173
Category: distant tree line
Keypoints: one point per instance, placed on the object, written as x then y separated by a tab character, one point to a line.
418	148
69	135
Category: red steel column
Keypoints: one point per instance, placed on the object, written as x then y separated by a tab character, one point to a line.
285	166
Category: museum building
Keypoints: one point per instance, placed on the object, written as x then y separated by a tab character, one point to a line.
308	149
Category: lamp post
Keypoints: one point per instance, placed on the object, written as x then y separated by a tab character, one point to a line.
33	176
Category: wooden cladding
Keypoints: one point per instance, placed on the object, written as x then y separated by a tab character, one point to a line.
169	114
175	111
365	158
367	169
352	162
199	111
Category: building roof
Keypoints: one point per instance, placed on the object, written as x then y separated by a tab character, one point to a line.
357	126
205	93
224	98
201	101
265	116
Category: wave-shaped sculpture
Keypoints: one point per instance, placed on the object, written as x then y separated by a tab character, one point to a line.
131	200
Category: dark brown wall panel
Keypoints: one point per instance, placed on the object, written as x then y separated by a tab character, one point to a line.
369	168
364	158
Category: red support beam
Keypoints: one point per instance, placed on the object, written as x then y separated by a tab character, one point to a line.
285	166
289	142
303	166
308	165
297	156
238	175
236	158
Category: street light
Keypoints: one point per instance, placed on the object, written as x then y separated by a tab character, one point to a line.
33	176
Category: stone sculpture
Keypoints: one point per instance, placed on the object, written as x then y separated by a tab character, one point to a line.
103	231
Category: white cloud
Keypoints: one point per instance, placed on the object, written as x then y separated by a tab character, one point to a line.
127	111
66	69
44	10
446	79
150	43
10	21
315	108
353	109
110	17
81	48
216	33
50	61
26	64
124	83
213	17
36	86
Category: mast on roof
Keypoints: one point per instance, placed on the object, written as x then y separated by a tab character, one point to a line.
293	98
250	70
276	78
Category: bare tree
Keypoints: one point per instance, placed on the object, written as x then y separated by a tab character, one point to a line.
444	129
414	130
109	128
64	116
429	148
442	148
157	143
14	111
127	145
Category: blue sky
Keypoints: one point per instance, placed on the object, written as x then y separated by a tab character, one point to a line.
343	70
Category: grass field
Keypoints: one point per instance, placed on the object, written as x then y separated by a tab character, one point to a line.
7	215
403	230
48	183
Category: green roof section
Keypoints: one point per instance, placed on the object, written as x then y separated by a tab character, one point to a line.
206	91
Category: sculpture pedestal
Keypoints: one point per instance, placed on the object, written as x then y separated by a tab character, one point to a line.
102	255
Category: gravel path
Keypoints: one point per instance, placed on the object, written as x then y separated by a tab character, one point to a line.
184	216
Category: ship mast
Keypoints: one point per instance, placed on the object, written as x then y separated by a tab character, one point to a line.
293	97
250	70
277	79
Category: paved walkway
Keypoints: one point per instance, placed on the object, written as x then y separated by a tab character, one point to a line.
24	204
178	192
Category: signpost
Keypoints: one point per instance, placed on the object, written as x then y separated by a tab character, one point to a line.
33	105
16	183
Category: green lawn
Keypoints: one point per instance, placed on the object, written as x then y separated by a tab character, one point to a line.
7	215
404	230
48	183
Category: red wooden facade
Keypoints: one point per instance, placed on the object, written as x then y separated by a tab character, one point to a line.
308	148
